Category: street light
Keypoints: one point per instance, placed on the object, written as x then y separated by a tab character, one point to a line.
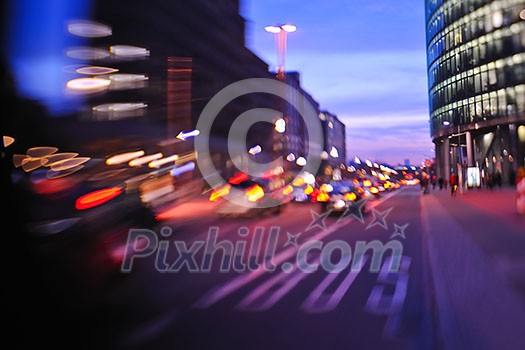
281	31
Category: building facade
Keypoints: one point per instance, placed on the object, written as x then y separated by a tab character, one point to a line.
334	130
476	82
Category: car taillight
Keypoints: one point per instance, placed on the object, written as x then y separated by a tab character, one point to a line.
254	193
374	190
350	196
367	183
97	198
220	192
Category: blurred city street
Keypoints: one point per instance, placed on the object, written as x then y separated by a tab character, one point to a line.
263	174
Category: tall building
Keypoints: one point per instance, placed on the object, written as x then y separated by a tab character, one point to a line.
334	132
476	82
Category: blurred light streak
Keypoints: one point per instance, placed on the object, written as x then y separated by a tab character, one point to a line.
97	198
87	85
144	160
88	29
87	53
54	158
38	152
176	171
124	157
161	162
66	164
96	70
128	51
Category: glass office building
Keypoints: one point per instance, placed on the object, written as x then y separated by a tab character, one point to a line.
476	81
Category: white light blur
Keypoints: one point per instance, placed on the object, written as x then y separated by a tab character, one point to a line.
290	157
334	153
280	125
124	157
96	70
128	51
322	116
119	107
368	163
339	204
88	29
324	155
521	133
87	85
160	162
309	178
301	161
290	28
255	150
357	160
144	160
87	53
272	29
522	14
446	123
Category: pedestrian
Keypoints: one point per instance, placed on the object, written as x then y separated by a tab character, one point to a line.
453	185
440	181
433	182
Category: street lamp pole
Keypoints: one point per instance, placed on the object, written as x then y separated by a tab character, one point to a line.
281	32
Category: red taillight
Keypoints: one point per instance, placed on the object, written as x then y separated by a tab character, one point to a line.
97	198
238	178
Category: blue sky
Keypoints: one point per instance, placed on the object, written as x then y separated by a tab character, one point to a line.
363	60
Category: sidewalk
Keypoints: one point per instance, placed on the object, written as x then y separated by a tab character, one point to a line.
476	253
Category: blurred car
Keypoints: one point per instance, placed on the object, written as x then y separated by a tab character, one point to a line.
262	197
91	208
338	196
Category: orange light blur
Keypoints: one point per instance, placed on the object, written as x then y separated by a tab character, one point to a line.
308	190
323	197
220	192
97	198
374	190
298	181
367	183
351	196
288	189
255	193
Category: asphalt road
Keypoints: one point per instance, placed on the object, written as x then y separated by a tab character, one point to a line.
162	304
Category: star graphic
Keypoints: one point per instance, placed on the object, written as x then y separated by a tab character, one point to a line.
318	220
399	231
292	239
379	218
355	210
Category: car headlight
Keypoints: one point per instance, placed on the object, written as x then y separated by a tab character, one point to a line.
339	204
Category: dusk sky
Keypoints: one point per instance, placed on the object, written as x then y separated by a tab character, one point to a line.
361	60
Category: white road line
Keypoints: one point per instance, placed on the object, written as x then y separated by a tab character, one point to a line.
318	301
218	293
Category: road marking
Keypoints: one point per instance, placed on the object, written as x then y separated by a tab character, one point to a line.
265	296
380	303
220	292
318	301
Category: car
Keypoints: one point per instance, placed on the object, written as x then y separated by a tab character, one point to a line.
338	196
254	197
